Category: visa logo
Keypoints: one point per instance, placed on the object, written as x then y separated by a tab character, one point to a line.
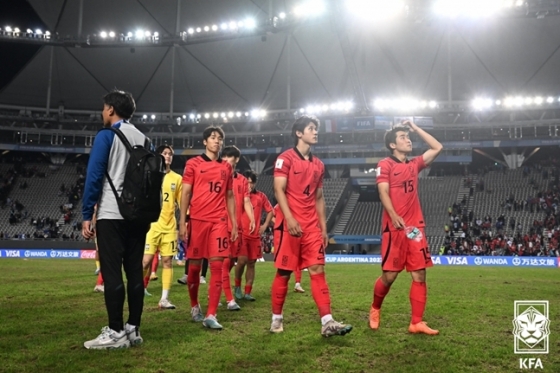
12	253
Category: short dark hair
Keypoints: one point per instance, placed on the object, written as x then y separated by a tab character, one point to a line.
302	122
391	136
122	102
250	174
161	148
231	151
208	132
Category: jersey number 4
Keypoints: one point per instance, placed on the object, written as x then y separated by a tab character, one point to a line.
306	191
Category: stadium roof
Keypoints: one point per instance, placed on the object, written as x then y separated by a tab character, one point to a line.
494	56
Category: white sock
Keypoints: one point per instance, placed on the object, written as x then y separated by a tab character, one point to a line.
325	319
129	327
164	294
298	284
276	317
154	274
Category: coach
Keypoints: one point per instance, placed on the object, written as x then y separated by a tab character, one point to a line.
120	242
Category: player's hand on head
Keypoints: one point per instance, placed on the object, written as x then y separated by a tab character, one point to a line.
410	124
293	227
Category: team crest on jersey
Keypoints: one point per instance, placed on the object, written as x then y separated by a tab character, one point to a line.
173	186
223	175
411	169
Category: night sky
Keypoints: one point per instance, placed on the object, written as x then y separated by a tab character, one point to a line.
15	56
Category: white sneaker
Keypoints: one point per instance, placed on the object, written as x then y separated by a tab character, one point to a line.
299	289
165	304
202	280
108	340
99	288
335	328
133	334
196	313
233	306
277	325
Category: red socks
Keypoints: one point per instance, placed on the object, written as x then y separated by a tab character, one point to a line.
226	282
99	279
155	263
193	282
278	293
215	289
237	282
380	290
418	296
248	289
320	291
146	280
298	275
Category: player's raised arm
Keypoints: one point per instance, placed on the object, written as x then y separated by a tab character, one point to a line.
280	193
435	146
397	220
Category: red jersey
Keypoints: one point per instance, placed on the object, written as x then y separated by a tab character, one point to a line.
210	182
260	202
304	177
403	190
240	191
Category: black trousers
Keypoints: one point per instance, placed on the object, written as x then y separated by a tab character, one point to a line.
121	245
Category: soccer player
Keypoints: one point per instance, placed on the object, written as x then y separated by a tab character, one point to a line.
301	225
251	243
231	154
207	190
403	243
162	236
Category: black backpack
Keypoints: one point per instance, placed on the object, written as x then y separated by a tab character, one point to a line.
140	200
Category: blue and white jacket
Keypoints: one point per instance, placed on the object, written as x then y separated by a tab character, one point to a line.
108	154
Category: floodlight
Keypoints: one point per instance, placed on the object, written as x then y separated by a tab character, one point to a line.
262	113
8	29
215	115
246	113
325	107
376	8
207	115
191	116
498	102
111	34
230	114
528	101
223	115
129	34
17	30
147	33
432	104
519	2
206	28
550	100
103	34
38	32
240	24
198	116
232	25
144	116
214	27
224	26
190	31
282	15
518	101
538	100
250	23
238	114
139	34
198	29
153	117
156	34
509	102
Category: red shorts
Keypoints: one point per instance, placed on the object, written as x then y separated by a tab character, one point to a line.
251	248
291	253
208	240
398	252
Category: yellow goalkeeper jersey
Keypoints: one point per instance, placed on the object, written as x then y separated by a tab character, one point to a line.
171	193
